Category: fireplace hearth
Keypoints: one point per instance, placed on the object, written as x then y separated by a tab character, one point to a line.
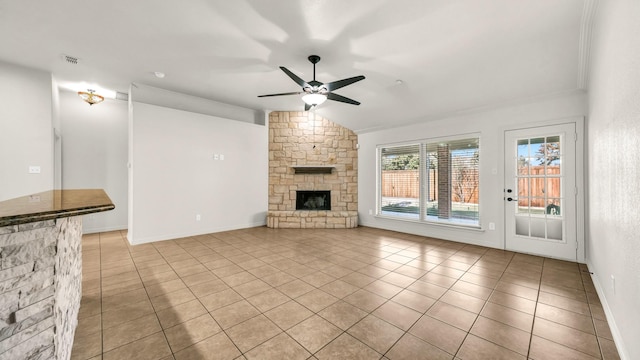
313	200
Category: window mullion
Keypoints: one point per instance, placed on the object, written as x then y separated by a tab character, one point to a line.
423	181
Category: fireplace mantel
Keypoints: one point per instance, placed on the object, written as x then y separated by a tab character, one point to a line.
313	169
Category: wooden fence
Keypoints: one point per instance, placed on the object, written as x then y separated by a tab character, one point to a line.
534	187
401	183
406	184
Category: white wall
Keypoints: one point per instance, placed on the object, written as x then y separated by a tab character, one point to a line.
94	154
491	126
57	138
614	168
26	136
174	176
170	99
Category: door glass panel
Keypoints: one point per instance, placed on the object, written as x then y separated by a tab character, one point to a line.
537	205
552	155
553	187
553	207
553	165
523	187
537	152
539	184
538	227
523	157
554	229
523	205
522	225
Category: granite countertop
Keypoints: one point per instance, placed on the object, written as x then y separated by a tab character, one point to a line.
53	204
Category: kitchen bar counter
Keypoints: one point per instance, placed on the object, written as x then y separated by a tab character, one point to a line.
41	271
53	204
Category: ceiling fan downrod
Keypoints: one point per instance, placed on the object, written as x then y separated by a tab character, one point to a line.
314	59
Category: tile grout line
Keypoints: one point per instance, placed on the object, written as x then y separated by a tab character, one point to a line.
593	320
155	311
571	327
101	309
483	306
535	310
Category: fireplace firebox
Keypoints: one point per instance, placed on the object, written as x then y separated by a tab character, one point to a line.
313	200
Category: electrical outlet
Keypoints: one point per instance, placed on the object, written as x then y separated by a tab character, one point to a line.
492	226
216	157
198	217
34	169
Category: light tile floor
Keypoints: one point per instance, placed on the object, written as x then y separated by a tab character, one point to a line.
361	293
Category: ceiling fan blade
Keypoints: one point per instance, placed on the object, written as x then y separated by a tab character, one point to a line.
294	77
281	94
342	83
336	97
307	107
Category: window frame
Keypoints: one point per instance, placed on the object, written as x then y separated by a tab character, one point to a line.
379	186
423	177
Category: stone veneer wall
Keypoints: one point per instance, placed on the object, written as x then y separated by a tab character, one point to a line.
40	288
303	138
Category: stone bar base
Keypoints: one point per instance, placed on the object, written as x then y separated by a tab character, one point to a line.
302	219
40	288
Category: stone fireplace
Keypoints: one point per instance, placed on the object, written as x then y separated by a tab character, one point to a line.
312	161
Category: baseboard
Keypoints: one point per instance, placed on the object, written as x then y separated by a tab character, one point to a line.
617	337
456	234
163	237
104	229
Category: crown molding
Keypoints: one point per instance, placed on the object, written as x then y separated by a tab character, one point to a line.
584	49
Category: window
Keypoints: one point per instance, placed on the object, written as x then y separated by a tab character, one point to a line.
453	181
400	181
432	181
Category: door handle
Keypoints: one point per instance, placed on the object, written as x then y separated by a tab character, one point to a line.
511	199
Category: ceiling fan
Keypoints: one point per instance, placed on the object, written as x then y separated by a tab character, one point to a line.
316	92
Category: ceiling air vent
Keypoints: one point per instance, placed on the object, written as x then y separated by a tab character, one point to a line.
70	59
122	96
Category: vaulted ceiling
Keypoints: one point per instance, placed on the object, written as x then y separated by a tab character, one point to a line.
450	56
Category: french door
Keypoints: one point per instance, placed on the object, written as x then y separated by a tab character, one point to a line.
540	191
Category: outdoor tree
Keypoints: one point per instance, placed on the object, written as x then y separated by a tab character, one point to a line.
465	175
548	154
402	162
523	162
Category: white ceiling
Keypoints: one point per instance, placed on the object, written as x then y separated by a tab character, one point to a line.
451	55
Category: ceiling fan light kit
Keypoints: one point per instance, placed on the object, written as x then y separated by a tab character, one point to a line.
314	99
315	92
